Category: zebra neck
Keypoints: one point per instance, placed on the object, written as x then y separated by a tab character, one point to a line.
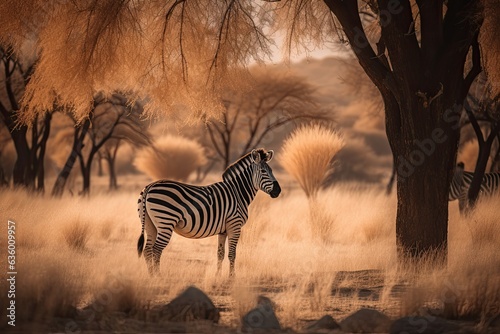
241	184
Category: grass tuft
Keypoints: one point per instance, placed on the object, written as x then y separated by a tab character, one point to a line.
307	155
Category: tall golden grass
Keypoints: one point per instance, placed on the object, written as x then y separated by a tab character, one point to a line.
308	153
172	157
277	256
308	156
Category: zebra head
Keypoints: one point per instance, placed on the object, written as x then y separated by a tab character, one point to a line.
262	175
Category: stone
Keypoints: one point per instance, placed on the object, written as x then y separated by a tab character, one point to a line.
261	317
366	321
423	325
326	322
192	304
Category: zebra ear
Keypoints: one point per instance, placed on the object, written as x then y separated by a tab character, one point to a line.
255	156
269	155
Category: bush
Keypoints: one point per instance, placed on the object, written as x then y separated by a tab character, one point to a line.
172	157
308	153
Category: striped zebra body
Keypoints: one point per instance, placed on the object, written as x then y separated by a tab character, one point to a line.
461	182
203	211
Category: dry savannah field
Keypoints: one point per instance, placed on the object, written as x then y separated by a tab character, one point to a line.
72	252
368	106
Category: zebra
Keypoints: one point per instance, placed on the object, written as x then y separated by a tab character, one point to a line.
202	211
461	182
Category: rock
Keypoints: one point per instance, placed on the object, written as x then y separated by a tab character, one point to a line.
261	317
366	321
326	322
423	325
192	304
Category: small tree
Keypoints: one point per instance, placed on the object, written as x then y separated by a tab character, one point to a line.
113	118
276	100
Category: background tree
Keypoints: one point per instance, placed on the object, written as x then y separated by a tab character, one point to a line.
79	134
275	101
113	118
30	140
483	112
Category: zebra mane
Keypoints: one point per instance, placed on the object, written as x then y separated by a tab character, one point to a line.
243	160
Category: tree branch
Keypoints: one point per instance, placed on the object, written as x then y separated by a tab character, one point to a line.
348	16
476	66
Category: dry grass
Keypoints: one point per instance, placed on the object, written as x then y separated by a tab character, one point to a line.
172	157
77	235
307	155
278	256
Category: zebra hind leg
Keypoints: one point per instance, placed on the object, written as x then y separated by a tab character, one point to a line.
221	251
150	241
162	240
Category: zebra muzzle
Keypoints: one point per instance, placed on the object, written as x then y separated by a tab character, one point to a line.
276	190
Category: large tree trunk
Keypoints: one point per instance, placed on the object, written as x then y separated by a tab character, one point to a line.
425	157
423	87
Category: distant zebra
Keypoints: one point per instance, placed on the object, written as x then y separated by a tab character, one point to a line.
461	182
203	211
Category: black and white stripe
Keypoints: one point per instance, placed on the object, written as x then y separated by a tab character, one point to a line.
461	182
202	211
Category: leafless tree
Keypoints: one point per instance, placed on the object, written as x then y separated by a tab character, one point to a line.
116	119
276	100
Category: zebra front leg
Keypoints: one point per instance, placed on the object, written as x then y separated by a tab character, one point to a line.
233	242
221	251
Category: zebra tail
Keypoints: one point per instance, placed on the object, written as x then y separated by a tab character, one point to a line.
142	214
140	244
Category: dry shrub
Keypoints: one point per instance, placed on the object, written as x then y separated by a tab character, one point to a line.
307	155
172	157
77	235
